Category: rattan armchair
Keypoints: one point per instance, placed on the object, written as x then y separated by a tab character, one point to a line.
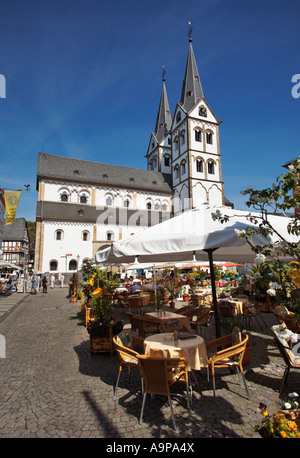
128	357
203	318
229	357
159	374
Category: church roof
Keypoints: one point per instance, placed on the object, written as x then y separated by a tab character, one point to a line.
191	88
96	173
164	117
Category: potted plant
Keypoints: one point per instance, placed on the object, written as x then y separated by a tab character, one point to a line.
277	426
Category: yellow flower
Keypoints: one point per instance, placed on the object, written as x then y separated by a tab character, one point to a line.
292	425
91	281
97	292
283	434
264	412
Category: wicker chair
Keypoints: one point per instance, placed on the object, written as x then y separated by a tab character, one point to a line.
253	312
283	315
159	374
291	360
148	326
203	318
128	357
188	311
231	356
172	325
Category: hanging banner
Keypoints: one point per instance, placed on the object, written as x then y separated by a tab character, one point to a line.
11	205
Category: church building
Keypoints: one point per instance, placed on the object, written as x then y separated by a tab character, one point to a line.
83	205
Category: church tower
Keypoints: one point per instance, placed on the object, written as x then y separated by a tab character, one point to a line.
159	150
196	159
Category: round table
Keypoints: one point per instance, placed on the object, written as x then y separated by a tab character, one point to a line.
163	345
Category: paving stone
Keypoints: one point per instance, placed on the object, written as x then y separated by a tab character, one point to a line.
51	386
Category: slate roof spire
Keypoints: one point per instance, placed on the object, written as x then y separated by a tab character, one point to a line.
191	88
164	117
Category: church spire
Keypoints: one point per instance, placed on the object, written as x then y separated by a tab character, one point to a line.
164	117
191	87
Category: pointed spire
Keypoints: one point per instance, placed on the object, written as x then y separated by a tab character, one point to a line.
191	87
164	117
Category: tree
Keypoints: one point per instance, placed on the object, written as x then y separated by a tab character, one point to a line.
281	198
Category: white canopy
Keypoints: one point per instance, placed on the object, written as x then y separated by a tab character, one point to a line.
193	232
196	234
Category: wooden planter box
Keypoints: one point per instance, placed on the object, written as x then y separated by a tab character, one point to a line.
72	299
104	344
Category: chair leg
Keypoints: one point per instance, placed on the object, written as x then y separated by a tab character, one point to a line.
245	384
142	410
118	379
284	378
171	407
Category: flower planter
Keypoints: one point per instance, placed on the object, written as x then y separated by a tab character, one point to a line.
185	297
166	299
73	299
172	304
103	342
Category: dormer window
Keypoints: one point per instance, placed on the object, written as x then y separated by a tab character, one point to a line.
178	117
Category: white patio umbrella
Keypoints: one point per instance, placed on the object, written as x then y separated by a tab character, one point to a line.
196	233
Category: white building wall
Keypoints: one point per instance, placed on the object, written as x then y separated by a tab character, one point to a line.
71	243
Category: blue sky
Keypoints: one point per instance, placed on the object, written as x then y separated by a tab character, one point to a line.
83	80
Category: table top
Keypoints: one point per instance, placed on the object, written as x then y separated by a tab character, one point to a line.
163	345
165	316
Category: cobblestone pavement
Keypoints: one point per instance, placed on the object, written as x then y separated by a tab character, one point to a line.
52	387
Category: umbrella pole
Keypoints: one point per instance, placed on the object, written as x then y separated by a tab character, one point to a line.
214	292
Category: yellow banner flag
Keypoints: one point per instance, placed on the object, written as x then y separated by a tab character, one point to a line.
11	205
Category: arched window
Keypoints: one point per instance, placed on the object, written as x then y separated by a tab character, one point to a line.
109	235
59	234
167	161
108	199
178	117
209	138
126	202
176	144
156	206
211	167
183	168
148	205
73	264
83	199
199	165
182	139
164	206
176	171
198	135
64	197
85	236
53	265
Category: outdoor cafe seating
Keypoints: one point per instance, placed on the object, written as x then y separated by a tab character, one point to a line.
231	356
159	374
288	353
124	345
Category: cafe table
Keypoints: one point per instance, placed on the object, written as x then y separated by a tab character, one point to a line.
238	305
164	346
162	316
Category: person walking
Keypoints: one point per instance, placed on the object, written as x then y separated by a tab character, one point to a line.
44	283
62	278
52	278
